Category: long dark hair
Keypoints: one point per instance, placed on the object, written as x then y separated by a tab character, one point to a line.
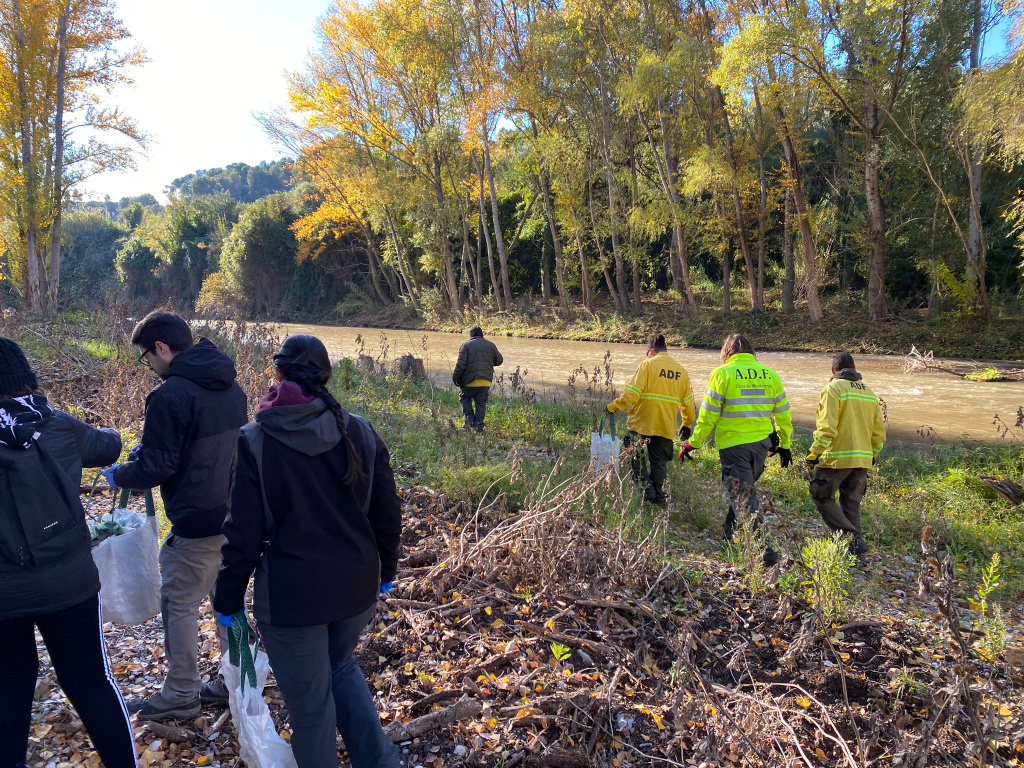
303	359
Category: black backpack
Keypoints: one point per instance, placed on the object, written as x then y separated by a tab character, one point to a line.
41	514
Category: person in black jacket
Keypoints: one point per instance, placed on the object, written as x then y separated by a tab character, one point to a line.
47	576
473	375
315	513
188	449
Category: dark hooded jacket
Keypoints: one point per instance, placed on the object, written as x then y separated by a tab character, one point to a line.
62	573
188	441
327	556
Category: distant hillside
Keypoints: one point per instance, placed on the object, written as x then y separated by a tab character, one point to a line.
244	183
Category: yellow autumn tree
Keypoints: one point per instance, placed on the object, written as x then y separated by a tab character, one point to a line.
59	61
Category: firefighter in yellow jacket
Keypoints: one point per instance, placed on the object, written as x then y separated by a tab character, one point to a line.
850	433
746	406
655	397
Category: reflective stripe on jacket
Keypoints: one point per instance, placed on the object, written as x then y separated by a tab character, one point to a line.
658	391
850	428
742	399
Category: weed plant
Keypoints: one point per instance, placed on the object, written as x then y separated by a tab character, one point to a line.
828	562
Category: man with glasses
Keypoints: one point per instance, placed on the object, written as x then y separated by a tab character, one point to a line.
188	449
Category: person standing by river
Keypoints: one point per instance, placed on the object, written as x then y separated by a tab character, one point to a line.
655	397
48	579
473	375
849	435
746	406
188	449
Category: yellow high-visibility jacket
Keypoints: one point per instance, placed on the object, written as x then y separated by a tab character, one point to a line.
742	399
850	428
658	391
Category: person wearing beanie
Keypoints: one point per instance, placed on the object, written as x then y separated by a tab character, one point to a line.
188	449
48	580
316	482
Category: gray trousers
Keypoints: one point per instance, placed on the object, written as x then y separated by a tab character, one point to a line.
325	692
742	467
852	484
188	572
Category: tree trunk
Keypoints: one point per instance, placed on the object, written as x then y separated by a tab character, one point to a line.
371	252
407	276
741	221
878	307
678	261
803	221
446	245
545	273
620	272
634	256
584	275
549	214
975	242
789	281
933	262
33	288
616	298
763	202
58	154
498	237
495	285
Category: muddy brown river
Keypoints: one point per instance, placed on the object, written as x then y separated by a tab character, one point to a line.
943	406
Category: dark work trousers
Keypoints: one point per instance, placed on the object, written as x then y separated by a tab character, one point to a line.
325	692
657	450
851	483
474	406
742	467
74	640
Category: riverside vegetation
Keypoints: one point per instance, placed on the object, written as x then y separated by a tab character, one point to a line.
544	617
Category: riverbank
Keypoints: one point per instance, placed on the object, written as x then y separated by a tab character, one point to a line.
937	484
845	327
572	625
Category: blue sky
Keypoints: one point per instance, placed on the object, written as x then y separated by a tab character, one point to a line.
213	64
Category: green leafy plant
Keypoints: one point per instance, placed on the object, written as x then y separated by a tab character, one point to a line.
828	562
560	652
992	620
986	374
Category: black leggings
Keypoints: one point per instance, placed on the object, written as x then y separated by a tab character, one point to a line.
74	640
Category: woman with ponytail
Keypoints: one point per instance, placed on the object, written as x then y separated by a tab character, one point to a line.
316	516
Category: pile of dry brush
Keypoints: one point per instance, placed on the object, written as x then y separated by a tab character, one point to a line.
546	639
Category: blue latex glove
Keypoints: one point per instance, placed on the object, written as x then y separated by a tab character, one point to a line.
134	452
108	475
225	620
385	587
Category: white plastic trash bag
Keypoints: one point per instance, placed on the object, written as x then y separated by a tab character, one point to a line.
129	566
245	670
605	447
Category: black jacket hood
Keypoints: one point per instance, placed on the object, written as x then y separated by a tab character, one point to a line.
310	428
847	373
204	364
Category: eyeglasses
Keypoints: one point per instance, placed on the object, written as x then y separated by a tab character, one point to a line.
142	357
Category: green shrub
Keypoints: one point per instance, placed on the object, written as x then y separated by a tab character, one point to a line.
829	562
472	484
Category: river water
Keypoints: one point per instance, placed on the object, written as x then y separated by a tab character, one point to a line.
943	406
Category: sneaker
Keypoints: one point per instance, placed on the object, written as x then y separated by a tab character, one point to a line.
214	692
156	707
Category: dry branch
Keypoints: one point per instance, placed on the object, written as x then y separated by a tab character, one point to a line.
460	710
